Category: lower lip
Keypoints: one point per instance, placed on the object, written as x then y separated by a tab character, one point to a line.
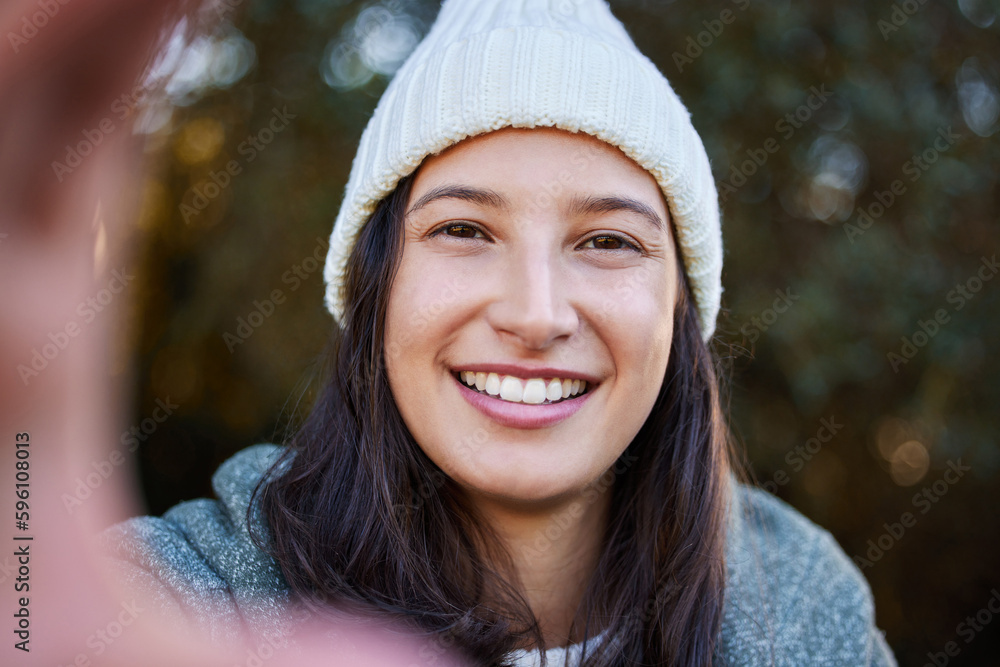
522	415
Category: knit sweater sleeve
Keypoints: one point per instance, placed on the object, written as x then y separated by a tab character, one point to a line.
198	564
793	597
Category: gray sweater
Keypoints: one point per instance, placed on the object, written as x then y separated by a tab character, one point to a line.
792	596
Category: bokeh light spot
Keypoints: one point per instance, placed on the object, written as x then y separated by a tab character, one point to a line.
199	141
909	463
978	95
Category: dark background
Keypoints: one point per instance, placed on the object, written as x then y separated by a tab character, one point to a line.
892	83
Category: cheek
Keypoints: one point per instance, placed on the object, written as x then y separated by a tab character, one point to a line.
399	337
425	291
425	306
634	316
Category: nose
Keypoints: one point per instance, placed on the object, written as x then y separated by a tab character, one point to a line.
534	302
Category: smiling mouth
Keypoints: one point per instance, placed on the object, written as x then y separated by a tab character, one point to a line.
528	391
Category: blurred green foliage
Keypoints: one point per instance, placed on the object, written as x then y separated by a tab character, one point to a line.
817	295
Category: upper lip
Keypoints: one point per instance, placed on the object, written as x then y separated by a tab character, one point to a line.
527	372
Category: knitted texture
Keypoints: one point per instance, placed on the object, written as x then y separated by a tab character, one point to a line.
568	64
792	596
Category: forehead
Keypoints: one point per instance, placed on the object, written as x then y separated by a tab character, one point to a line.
526	162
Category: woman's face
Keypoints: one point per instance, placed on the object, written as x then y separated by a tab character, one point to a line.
538	267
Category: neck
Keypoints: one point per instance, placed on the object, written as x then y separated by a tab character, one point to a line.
554	551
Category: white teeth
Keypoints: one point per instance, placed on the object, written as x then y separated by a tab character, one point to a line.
554	391
492	385
511	389
533	391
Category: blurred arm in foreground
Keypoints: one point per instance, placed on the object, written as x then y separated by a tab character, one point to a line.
63	234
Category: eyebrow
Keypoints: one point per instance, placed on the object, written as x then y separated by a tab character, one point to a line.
611	204
480	196
579	205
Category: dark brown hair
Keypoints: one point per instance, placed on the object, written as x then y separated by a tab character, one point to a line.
360	519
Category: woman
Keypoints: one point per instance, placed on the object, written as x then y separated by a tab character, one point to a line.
520	449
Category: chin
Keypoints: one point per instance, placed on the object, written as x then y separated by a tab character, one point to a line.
535	479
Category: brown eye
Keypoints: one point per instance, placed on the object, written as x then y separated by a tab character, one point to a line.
608	242
461	231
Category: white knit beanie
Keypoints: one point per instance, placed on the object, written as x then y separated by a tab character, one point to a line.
570	64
